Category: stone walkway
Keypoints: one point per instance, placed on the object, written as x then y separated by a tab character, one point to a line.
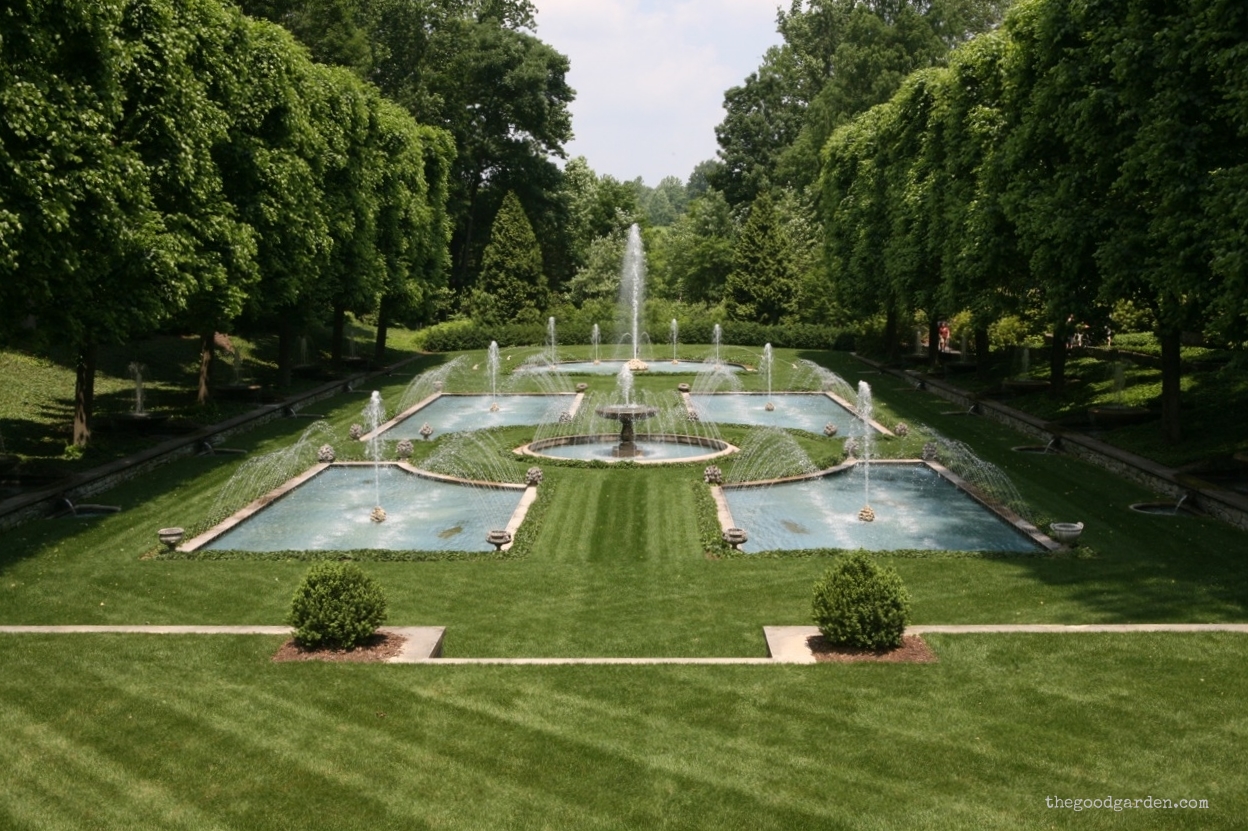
785	644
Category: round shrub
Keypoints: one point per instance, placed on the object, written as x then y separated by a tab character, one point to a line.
336	606
862	604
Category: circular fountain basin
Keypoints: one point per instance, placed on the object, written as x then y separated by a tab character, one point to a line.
651	449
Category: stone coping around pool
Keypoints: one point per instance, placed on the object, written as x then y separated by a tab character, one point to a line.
289	485
845	405
1008	516
534	448
578	397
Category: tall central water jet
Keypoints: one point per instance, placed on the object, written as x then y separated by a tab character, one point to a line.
633	292
675	336
595	337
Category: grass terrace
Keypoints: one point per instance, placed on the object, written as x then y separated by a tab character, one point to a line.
126	731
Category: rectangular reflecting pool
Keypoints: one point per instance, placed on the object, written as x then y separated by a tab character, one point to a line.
330	512
915	507
452	413
801	411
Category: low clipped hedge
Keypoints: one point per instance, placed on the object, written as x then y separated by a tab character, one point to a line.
862	604
337	606
464	335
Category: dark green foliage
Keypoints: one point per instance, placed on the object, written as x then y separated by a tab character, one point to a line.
337	605
862	604
762	285
512	285
460	336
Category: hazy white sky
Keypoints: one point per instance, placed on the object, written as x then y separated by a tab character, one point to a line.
650	76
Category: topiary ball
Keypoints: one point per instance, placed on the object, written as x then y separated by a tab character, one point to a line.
336	606
862	604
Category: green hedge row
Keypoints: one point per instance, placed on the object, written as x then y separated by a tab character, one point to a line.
462	335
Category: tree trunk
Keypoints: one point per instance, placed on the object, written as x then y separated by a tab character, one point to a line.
340	326
379	346
84	394
1057	359
890	334
285	341
982	348
1171	378
207	358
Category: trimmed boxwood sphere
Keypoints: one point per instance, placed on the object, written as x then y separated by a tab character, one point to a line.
862	604
336	606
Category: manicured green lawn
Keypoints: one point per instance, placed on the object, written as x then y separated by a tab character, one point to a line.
206	732
200	732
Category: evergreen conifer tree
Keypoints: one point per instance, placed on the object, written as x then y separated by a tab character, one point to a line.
512	286
762	285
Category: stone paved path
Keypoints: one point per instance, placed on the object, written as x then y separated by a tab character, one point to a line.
785	644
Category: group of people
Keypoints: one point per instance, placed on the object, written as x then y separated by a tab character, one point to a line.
1080	334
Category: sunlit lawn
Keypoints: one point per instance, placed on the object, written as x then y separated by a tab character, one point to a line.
140	731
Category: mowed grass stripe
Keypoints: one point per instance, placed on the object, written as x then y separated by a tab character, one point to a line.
976	740
624	516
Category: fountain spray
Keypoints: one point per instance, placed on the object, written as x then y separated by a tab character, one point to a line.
136	372
716	334
768	359
632	288
492	364
374	413
865	406
675	335
595	337
550	338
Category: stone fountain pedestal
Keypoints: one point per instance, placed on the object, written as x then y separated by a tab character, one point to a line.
626	414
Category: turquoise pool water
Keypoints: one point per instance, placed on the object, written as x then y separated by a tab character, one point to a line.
915	507
330	512
802	411
455	413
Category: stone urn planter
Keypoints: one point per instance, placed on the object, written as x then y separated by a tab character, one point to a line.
735	537
498	539
170	537
1067	533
